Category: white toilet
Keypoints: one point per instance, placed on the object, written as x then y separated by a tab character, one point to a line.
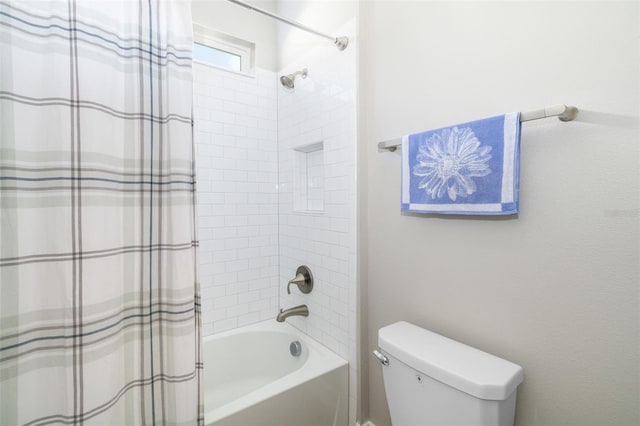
432	380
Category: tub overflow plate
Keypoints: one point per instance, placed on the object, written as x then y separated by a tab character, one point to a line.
295	348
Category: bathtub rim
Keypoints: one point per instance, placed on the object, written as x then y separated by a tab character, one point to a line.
321	360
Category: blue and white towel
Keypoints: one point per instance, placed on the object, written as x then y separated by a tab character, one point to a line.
471	168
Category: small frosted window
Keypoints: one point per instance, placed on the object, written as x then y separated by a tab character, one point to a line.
218	57
211	47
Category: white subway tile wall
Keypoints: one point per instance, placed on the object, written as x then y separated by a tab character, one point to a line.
322	108
237	176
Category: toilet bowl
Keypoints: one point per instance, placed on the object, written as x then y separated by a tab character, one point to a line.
432	380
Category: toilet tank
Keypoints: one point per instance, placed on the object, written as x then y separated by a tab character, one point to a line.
433	380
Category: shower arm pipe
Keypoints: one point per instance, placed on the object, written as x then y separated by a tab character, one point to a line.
340	42
563	112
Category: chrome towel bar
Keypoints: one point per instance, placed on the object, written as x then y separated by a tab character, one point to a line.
563	112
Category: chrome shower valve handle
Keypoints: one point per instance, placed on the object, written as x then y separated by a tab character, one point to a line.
303	279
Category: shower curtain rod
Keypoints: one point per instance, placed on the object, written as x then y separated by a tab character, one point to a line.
563	112
340	42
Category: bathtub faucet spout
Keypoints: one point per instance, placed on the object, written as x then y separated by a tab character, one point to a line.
300	310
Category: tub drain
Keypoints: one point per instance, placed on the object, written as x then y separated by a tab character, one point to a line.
295	348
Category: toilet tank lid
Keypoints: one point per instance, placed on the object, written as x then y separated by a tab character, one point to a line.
467	369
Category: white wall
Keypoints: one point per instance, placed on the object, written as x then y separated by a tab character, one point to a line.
322	108
556	289
328	17
237	176
242	23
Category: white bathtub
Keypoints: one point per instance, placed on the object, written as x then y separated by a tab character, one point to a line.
251	379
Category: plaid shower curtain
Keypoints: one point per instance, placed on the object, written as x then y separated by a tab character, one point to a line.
99	298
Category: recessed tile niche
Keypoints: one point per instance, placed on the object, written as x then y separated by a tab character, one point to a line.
308	178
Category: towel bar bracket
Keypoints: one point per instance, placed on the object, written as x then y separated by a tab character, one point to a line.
569	114
390	146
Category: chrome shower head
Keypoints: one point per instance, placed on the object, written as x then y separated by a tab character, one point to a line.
287	80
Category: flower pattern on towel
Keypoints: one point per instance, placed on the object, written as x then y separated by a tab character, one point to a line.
449	160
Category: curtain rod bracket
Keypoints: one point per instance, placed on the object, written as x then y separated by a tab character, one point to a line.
341	42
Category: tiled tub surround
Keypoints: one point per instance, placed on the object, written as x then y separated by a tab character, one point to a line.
246	140
322	109
237	175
